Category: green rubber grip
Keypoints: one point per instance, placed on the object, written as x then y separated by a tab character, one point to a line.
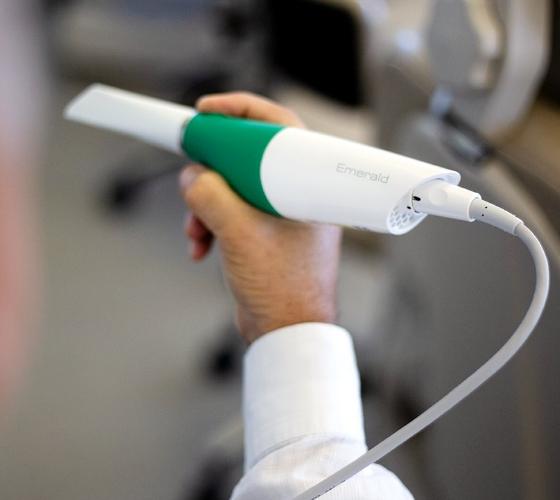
234	148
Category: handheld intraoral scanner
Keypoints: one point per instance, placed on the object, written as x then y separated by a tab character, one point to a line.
286	171
308	176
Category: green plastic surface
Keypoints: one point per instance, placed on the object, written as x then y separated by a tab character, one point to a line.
233	147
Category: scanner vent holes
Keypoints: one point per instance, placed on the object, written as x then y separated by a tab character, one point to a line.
403	218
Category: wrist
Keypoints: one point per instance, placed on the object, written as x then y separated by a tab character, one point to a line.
251	328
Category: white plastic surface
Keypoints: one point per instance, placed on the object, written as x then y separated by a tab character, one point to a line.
150	120
444	199
315	177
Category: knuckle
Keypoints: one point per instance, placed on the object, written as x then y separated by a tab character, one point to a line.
244	94
195	194
202	188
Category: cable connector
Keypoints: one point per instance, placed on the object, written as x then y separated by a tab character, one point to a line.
483	211
438	197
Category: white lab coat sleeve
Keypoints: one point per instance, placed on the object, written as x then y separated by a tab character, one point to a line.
303	417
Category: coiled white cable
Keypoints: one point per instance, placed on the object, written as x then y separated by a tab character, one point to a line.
493	215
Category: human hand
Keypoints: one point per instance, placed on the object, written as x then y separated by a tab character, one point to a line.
281	272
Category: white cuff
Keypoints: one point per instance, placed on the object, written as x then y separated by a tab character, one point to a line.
300	380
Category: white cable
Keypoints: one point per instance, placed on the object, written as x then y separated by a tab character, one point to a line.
490	214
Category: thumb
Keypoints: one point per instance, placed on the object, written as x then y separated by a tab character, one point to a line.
211	199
